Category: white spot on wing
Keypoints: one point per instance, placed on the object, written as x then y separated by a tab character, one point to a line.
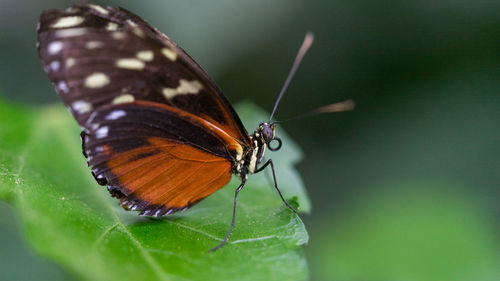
70	62
130	64
137	31
123	99
55	65
116	114
99	9
157	213
170	54
131	23
112	26
67	22
81	106
145	55
93	44
169	93
102	132
63	87
96	80
118	35
185	87
70	32
55	47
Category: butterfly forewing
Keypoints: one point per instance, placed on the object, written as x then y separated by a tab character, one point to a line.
96	56
157	130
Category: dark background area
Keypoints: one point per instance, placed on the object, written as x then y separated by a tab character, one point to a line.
405	187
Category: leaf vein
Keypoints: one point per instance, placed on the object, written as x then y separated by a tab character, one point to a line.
104	233
247	240
196	230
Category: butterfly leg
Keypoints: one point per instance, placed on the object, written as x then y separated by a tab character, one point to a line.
234	218
269	176
270	162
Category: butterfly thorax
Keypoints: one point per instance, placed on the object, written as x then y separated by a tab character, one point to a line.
254	155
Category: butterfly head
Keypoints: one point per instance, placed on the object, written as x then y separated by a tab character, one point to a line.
267	132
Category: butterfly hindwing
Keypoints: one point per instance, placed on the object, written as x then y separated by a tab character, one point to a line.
132	149
145	167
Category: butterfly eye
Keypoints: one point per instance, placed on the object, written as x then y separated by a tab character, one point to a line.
267	132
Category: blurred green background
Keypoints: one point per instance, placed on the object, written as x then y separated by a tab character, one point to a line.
405	187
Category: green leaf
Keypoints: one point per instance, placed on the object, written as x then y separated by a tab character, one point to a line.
67	217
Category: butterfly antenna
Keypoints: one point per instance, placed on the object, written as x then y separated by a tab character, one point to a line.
334	107
308	40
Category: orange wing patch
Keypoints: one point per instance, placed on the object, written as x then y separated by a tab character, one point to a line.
166	176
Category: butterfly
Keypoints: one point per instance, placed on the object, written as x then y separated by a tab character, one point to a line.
156	129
